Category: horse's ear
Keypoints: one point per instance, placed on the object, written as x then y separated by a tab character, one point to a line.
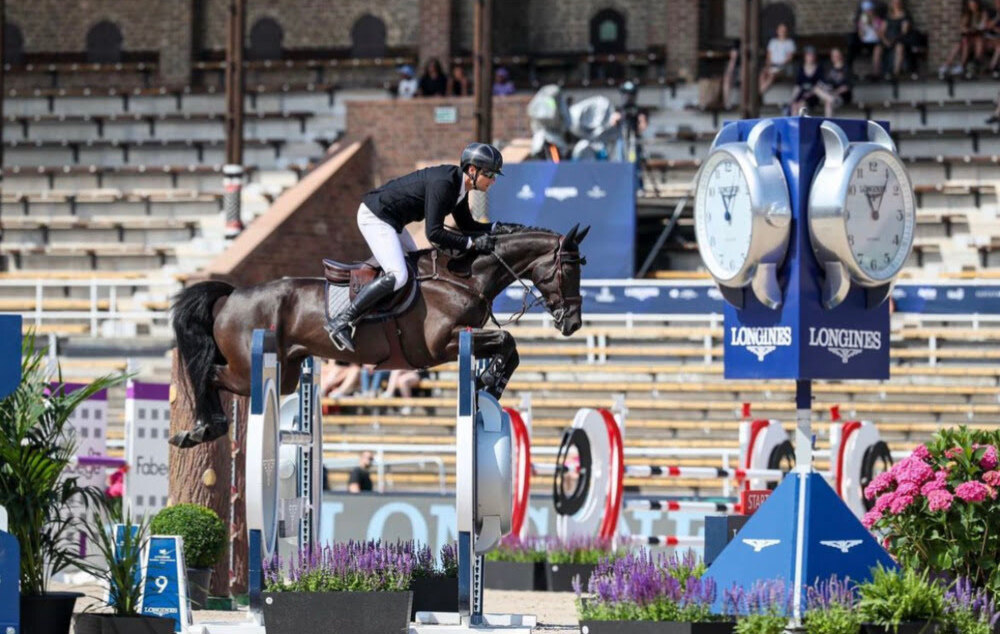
583	234
570	237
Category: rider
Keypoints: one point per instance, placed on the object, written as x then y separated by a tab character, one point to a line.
429	194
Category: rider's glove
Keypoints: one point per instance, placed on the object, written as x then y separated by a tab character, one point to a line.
484	243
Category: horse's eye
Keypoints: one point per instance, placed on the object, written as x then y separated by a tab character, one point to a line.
583	261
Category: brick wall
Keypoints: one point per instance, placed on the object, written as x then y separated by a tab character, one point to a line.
151	25
317	23
404	131
435	31
313	220
939	19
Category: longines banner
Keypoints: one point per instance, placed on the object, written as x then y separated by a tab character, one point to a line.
430	518
560	195
699	298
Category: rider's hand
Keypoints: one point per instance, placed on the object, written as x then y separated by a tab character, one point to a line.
484	243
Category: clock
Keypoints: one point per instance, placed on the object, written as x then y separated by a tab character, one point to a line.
862	214
742	214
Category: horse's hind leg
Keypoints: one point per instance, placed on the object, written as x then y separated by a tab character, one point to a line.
500	348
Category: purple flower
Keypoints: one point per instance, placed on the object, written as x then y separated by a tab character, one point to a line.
972	491
827	594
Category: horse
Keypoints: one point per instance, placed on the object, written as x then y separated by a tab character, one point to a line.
213	321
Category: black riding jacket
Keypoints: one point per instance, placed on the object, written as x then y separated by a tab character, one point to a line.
429	194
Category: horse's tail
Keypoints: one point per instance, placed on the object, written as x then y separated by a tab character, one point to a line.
193	326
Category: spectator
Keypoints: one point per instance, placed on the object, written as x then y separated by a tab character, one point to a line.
897	37
835	89
433	83
731	78
866	37
974	24
360	478
459	85
778	63
408	86
502	84
339	378
403	381
808	78
371	380
992	36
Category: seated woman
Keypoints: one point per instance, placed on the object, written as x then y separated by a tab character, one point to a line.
806	82
835	89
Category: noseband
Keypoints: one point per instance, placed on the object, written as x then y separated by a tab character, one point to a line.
560	257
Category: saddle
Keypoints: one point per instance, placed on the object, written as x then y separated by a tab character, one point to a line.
355	275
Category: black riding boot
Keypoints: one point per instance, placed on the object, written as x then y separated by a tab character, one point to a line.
341	327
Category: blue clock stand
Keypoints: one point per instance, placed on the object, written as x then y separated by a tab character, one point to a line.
10	559
804	532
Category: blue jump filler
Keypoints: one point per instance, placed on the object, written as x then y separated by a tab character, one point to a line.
804	223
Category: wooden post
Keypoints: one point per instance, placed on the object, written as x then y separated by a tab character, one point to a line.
749	91
483	70
232	180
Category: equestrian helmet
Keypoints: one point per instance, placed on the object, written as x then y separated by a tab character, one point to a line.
483	156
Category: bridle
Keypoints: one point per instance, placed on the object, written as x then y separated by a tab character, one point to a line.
560	257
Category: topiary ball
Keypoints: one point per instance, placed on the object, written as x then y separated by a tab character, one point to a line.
203	531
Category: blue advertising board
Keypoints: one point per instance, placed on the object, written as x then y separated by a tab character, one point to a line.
559	195
10	353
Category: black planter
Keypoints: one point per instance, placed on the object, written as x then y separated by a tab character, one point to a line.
655	627
354	612
559	577
199	579
434	594
49	613
910	627
111	624
514	575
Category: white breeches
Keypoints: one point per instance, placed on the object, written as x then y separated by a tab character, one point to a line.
388	247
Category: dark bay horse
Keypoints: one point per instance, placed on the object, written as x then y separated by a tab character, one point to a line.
213	321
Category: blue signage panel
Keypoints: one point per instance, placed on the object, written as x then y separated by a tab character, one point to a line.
162	594
10	353
559	195
10	575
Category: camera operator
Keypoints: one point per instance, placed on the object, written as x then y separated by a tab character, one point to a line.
632	121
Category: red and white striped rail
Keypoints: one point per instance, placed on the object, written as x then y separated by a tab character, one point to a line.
680	506
671	541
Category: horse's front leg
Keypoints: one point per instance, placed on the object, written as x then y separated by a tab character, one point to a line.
501	349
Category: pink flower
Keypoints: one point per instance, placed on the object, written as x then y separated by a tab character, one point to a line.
921	452
937	484
939	500
870	518
884	501
972	491
992	478
913	470
953	452
900	503
989	459
908	488
879	483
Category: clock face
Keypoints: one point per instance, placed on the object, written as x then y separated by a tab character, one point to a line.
723	216
879	215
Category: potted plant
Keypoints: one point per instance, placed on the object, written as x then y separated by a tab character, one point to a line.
761	609
435	589
642	593
516	564
830	608
575	557
357	587
36	446
970	610
939	507
901	602
121	555
204	536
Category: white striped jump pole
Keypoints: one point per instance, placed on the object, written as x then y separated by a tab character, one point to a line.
680	506
672	541
653	471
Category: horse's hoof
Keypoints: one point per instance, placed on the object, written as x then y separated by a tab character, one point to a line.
186	439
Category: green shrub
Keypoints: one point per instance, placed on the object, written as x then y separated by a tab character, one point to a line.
203	532
900	596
